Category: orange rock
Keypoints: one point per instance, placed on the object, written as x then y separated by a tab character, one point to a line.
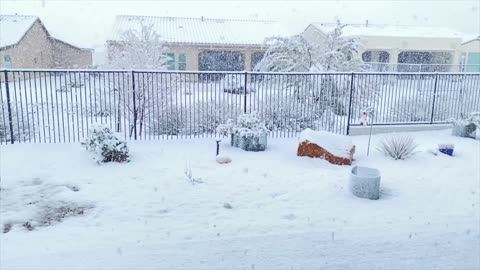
312	150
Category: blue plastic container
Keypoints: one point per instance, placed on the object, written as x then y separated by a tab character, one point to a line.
446	150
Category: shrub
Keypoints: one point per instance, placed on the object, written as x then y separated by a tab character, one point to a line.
248	124
234	84
398	146
106	146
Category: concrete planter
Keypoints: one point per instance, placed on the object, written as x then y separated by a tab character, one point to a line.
249	142
365	182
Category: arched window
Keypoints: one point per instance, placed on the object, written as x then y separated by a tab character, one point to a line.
376	56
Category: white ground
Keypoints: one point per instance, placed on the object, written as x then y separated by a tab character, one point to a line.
287	212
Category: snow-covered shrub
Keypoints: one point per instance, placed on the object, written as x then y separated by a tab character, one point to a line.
467	127
226	129
249	133
234	83
398	146
106	146
411	109
20	126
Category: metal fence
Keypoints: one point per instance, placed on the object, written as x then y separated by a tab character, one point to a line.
51	106
405	67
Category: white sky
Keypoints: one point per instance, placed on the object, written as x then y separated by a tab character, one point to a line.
88	23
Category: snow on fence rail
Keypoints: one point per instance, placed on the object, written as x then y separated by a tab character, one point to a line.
51	106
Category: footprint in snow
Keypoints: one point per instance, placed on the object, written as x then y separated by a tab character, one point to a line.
290	217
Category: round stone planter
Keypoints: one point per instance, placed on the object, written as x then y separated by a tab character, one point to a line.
365	182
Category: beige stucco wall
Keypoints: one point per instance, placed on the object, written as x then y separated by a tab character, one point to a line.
65	56
192	52
33	51
396	45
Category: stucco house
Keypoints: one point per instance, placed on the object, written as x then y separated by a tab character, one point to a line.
402	47
471	55
202	43
26	43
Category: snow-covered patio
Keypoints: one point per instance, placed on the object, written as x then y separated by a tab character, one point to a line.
286	211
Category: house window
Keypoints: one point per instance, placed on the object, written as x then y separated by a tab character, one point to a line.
221	61
170	61
182	61
376	56
7	60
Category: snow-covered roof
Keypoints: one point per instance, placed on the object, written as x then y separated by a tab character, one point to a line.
13	28
471	40
202	30
359	30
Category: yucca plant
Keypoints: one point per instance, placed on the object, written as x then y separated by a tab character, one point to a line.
398	146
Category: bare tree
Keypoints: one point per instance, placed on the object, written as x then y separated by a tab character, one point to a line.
142	50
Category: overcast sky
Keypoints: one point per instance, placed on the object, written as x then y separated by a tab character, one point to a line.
87	23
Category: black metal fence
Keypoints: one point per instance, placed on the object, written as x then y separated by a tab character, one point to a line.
51	106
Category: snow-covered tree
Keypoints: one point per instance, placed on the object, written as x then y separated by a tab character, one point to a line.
296	54
318	93
287	54
142	50
138	49
338	53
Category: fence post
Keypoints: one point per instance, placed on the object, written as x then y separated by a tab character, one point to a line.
350	105
245	93
134	106
9	107
434	97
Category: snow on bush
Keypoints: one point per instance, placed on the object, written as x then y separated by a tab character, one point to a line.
468	126
248	124
20	120
398	146
201	117
234	84
249	133
106	146
296	54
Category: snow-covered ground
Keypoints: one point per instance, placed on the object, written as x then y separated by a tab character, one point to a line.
265	210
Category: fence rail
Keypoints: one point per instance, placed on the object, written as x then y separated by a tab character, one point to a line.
405	67
51	106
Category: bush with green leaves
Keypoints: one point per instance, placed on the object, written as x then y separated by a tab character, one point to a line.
106	146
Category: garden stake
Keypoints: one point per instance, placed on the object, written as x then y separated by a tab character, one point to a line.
369	137
218	146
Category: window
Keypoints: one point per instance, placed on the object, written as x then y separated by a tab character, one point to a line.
221	60
171	61
367	56
7	60
376	56
182	61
